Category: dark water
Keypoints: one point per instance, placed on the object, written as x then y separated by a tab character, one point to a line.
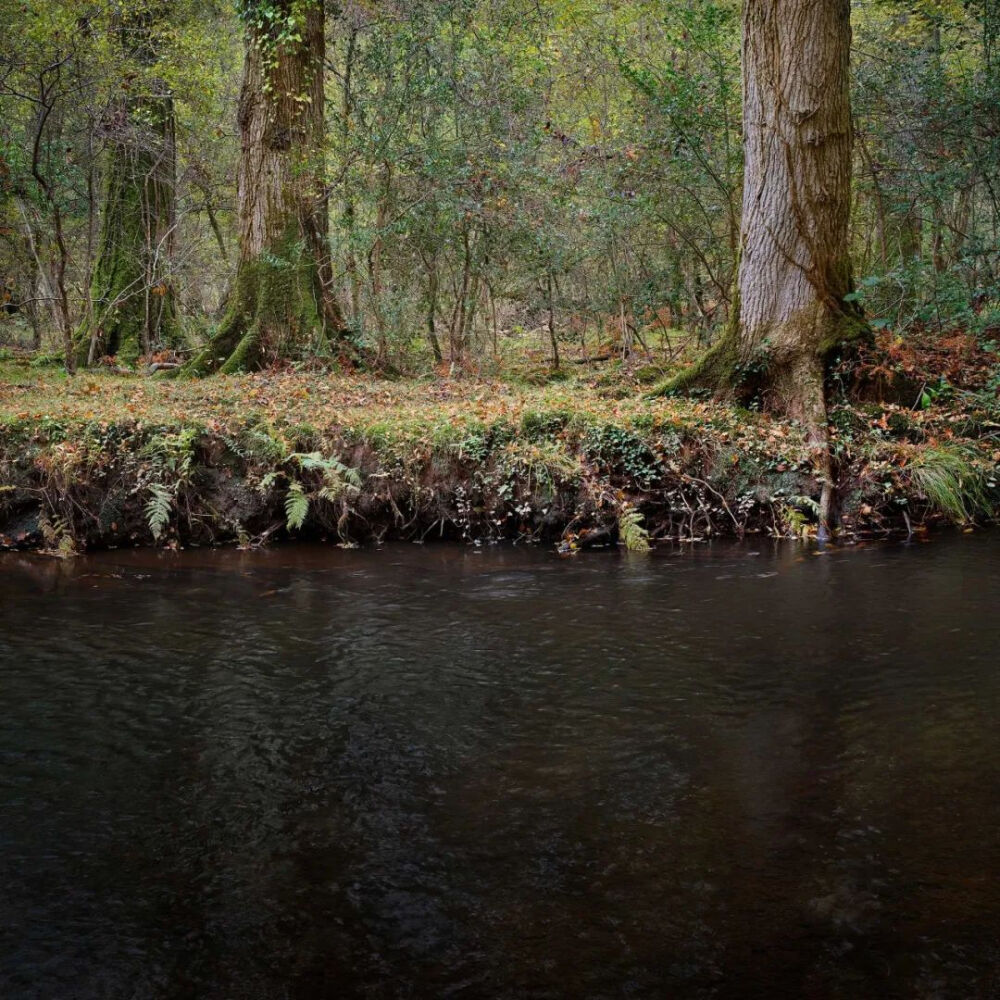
436	773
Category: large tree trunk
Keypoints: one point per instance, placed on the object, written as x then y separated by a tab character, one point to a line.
133	309
794	273
282	299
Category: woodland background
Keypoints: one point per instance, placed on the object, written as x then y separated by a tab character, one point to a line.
502	176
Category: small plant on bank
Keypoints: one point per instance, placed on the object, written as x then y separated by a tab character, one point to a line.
296	506
621	450
338	481
632	531
952	483
158	509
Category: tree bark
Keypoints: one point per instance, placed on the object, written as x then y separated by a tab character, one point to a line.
790	312
282	299
133	308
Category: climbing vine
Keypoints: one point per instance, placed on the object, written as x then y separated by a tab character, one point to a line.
274	26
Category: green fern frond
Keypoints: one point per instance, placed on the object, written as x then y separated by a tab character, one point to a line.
158	509
338	478
267	483
633	534
805	502
309	461
296	506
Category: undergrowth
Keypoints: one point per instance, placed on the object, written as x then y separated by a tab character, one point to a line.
106	460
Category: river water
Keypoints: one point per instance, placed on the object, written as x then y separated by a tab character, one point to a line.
438	772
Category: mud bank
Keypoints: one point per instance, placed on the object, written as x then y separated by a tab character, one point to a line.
100	462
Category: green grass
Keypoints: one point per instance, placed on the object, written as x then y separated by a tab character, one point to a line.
953	480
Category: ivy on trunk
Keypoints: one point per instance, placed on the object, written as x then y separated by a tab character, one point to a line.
282	302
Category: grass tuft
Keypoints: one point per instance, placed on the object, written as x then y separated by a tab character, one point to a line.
952	482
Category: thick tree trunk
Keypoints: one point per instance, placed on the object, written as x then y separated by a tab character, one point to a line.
282	299
794	266
794	273
133	309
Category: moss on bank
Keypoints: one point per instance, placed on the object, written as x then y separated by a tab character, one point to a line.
105	460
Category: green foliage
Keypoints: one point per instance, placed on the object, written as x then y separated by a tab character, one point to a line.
255	443
618	448
296	506
338	479
482	155
800	515
275	23
173	451
158	509
953	482
633	534
536	425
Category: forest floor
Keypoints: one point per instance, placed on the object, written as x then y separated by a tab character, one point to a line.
579	457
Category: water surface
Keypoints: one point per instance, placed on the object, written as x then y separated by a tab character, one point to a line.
436	772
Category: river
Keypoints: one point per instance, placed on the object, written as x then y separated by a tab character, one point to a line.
738	771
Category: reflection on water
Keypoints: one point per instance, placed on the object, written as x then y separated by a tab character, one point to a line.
432	772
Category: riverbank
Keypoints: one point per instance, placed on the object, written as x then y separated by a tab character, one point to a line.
579	458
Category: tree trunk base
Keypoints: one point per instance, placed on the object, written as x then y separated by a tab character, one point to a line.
789	382
275	312
715	372
122	336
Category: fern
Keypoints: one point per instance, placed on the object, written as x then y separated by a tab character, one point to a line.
309	461
807	502
266	484
296	506
174	453
796	523
58	536
633	533
330	493
253	444
338	478
158	509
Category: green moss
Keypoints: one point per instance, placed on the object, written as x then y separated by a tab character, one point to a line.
649	374
273	313
724	372
714	372
137	203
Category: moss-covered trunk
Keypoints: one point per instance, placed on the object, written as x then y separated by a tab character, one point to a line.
133	305
791	311
282	302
